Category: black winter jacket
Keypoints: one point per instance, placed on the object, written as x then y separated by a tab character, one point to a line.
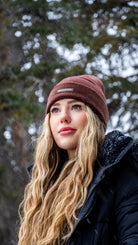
109	215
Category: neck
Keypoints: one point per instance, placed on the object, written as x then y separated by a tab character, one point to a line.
71	153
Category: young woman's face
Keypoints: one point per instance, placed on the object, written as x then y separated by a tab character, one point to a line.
67	120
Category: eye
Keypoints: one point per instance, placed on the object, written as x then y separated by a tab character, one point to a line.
54	110
76	107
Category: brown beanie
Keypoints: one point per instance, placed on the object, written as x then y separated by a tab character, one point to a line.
86	88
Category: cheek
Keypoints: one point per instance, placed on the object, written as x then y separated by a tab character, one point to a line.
83	121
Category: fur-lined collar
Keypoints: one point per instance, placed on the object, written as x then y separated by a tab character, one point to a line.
115	147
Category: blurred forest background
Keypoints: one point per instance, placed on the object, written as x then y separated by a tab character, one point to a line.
41	42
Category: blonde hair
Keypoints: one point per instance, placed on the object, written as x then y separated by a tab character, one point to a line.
58	188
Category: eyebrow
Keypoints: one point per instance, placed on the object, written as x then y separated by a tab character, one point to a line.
68	102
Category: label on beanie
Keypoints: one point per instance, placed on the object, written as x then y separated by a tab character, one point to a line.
65	90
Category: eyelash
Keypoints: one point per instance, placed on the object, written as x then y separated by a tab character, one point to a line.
79	107
76	105
53	110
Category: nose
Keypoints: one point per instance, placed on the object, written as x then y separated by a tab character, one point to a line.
65	116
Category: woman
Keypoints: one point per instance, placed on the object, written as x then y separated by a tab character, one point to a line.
83	187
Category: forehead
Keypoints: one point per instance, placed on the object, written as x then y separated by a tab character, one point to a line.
66	101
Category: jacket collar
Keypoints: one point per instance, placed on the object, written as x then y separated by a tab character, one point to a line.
115	146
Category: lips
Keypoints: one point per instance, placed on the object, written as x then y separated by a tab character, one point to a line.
66	130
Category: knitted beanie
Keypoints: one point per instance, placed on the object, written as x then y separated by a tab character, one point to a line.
86	88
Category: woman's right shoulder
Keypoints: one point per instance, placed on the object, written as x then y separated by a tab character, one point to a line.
29	170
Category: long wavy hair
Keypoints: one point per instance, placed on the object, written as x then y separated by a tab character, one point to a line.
58	186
